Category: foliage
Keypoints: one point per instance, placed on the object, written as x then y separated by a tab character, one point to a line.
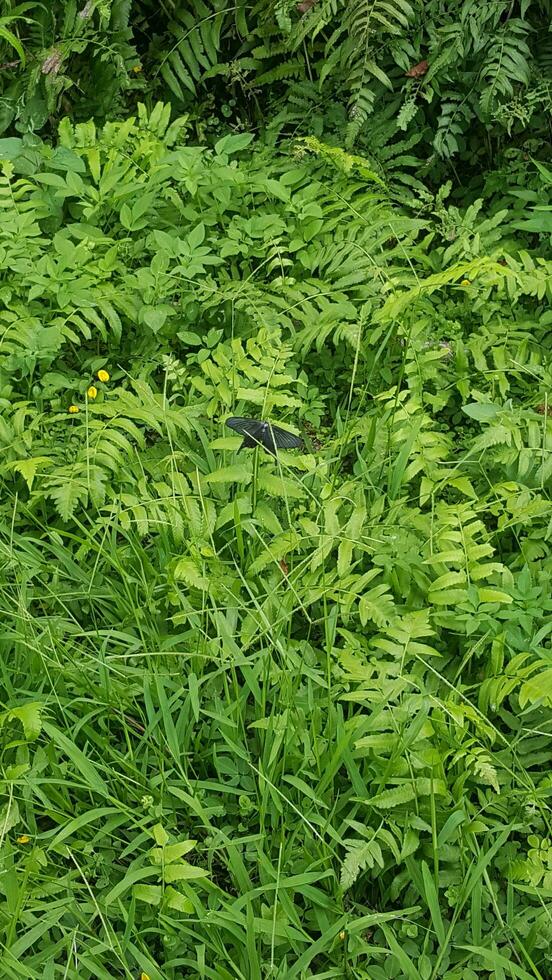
415	85
62	57
270	717
452	76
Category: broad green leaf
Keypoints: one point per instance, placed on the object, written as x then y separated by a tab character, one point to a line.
233	143
480	411
160	835
184	872
175	900
152	894
172	852
237	473
10	148
493	595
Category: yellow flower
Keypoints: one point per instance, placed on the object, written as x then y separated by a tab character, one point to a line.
136	70
23	839
465	282
73	409
92	392
144	976
103	375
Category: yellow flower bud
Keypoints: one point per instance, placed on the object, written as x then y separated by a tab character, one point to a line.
73	409
465	282
144	976
92	392
23	839
103	375
136	69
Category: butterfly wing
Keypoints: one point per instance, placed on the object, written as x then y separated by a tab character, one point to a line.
251	429
256	432
246	427
284	439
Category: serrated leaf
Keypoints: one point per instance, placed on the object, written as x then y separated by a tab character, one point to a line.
67	496
394	797
28	467
172	852
160	835
376	606
30	717
278	486
344	557
493	595
9	817
184	872
237	473
537	689
444	557
187	571
448	597
445	581
361	855
175	900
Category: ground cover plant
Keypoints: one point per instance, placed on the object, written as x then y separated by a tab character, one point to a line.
416	85
269	717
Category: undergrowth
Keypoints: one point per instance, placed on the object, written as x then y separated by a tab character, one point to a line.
270	718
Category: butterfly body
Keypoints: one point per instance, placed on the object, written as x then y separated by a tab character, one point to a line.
257	432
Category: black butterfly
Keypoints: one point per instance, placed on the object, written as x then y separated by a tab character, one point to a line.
259	433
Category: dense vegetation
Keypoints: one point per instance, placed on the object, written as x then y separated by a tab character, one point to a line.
275	717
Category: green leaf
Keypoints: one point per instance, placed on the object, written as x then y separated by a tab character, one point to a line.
125	217
432	900
394	797
160	835
14	41
175	900
9	817
184	872
10	148
152	894
196	236
233	143
82	764
172	852
238	473
376	606
494	595
187	571
28	467
153	317
538	689
278	486
30	717
480	411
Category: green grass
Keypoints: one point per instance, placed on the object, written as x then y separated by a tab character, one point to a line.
268	718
